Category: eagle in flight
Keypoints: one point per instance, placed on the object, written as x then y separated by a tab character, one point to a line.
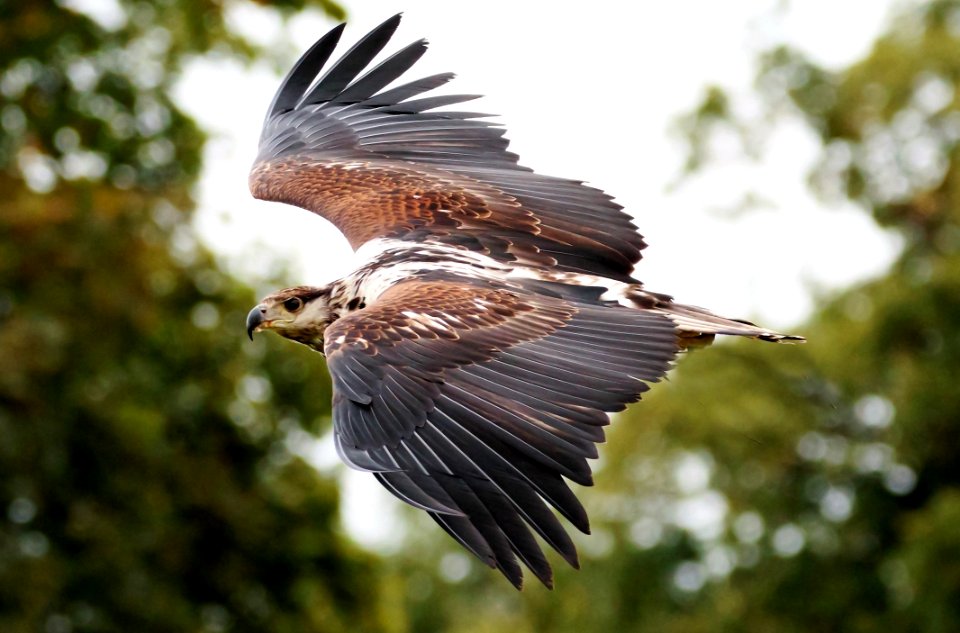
496	323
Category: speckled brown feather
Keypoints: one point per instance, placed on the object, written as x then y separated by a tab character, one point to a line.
383	198
480	320
371	199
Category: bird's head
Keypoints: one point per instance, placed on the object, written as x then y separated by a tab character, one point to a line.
301	314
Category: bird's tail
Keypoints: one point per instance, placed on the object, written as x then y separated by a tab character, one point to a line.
698	327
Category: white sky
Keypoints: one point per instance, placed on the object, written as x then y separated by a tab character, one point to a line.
587	91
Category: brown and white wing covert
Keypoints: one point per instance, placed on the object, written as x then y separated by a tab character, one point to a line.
381	162
474	403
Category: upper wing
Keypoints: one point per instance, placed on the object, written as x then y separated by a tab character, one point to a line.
473	403
381	163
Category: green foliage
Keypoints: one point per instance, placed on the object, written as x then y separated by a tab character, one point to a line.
146	480
697	126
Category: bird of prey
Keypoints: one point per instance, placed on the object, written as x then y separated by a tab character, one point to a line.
496	323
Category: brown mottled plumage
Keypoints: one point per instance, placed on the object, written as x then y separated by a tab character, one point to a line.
476	356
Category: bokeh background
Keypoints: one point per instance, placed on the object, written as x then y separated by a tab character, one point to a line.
158	472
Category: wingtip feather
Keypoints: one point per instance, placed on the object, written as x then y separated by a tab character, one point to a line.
345	69
301	75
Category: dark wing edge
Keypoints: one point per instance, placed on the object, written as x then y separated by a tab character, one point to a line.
338	139
480	427
316	114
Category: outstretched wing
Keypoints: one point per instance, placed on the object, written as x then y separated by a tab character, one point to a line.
474	403
383	162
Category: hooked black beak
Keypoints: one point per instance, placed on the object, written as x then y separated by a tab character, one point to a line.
254	319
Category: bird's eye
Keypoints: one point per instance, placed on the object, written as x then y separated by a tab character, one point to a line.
293	304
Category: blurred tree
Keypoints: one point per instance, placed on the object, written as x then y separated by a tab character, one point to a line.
814	488
147	478
146	482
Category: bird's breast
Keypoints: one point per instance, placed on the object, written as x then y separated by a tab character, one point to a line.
395	261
